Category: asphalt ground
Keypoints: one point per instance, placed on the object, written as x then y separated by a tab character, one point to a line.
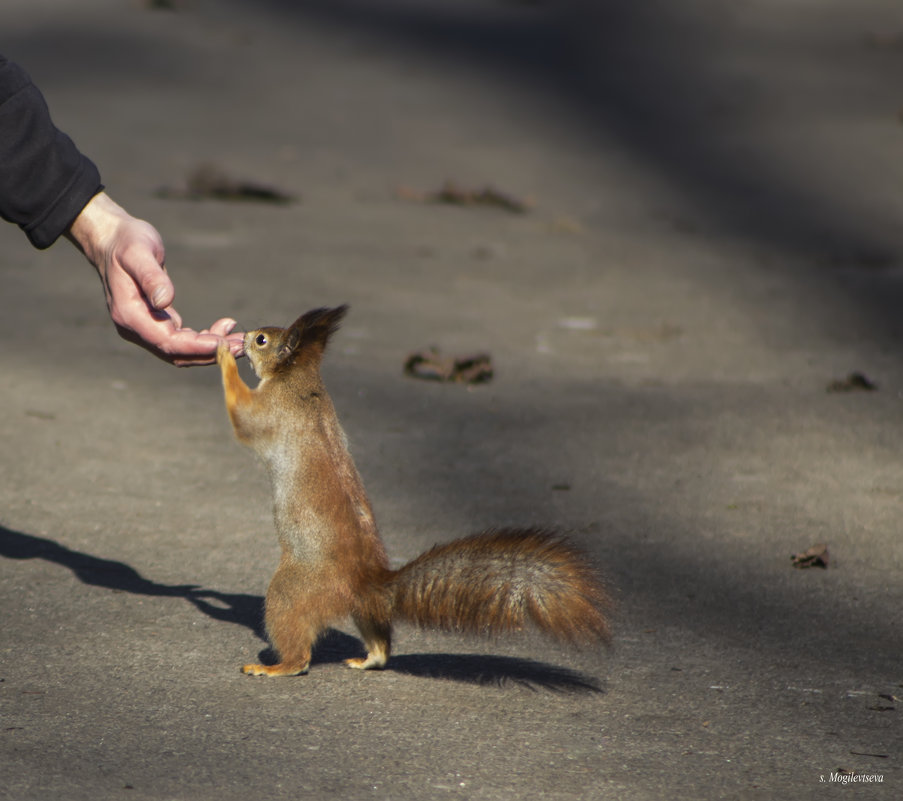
712	243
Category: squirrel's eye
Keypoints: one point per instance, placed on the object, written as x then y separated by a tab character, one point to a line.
261	340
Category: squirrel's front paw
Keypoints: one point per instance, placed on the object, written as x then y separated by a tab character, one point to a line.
223	352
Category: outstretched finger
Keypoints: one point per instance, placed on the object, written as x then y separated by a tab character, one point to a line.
221	327
186	348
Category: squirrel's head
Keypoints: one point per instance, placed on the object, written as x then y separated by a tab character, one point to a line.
273	350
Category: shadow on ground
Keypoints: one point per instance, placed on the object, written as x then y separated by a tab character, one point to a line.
480	669
246	610
333	647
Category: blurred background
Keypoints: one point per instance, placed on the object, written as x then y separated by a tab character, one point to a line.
675	229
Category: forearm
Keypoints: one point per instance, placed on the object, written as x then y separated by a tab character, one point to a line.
45	181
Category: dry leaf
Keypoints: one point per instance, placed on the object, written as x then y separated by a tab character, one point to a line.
852	383
816	556
453	195
430	365
884	40
207	181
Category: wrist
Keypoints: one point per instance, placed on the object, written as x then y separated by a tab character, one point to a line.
96	226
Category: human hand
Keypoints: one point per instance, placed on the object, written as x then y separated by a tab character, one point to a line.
128	255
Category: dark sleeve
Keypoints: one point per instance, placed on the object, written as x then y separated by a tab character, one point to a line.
44	181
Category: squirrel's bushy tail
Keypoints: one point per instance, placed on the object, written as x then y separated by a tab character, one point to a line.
501	580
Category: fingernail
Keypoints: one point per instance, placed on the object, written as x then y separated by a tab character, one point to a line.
159	297
230	326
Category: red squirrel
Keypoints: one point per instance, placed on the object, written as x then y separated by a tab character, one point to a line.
333	563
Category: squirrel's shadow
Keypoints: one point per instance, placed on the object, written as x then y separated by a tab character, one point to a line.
481	669
246	610
334	646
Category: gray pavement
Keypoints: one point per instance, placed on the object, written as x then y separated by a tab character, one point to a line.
718	191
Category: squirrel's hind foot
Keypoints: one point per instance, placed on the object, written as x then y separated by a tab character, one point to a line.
371	662
280	669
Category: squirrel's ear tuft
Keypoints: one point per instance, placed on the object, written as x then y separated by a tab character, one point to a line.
311	331
318	325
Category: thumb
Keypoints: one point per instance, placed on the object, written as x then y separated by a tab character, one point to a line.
143	260
160	291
